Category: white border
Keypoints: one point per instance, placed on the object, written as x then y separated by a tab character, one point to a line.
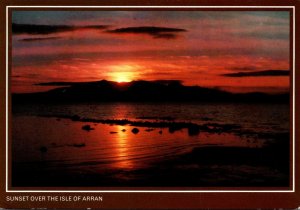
153	191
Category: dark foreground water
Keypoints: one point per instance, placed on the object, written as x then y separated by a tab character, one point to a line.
49	150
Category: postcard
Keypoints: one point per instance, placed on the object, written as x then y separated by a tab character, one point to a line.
168	105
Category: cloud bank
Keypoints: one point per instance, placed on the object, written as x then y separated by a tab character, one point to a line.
39	39
33	29
155	32
259	73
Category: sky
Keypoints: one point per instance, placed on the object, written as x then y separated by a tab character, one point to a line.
238	51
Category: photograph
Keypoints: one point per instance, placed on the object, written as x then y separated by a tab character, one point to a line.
150	98
149	105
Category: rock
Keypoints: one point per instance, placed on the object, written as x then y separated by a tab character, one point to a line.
160	132
79	145
113	132
87	128
135	130
174	128
75	117
149	129
123	130
43	149
206	119
193	130
167	118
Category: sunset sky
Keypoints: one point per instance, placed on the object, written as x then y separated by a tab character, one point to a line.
235	50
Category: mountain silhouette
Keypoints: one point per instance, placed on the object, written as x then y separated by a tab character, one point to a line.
140	91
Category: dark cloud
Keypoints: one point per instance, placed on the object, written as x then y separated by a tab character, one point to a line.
59	83
259	73
165	36
97	27
244	68
155	32
50	29
39	39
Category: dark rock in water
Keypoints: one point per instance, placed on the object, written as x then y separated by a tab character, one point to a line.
220	128
193	130
135	130
79	145
87	128
160	132
43	149
167	118
75	117
157	118
174	127
206	119
149	129
113	132
123	130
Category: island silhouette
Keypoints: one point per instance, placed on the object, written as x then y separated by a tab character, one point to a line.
141	91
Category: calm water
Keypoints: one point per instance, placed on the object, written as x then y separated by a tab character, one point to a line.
115	147
122	149
258	117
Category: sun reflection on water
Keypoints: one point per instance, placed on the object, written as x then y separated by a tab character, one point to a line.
122	148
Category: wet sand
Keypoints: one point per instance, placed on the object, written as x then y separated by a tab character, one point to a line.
200	168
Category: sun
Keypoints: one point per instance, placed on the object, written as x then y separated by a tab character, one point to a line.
123	77
123	73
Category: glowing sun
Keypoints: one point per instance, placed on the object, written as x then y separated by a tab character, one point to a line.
123	76
123	73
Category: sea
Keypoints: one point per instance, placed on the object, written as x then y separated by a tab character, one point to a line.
38	135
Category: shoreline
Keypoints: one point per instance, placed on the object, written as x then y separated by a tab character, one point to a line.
172	125
208	166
